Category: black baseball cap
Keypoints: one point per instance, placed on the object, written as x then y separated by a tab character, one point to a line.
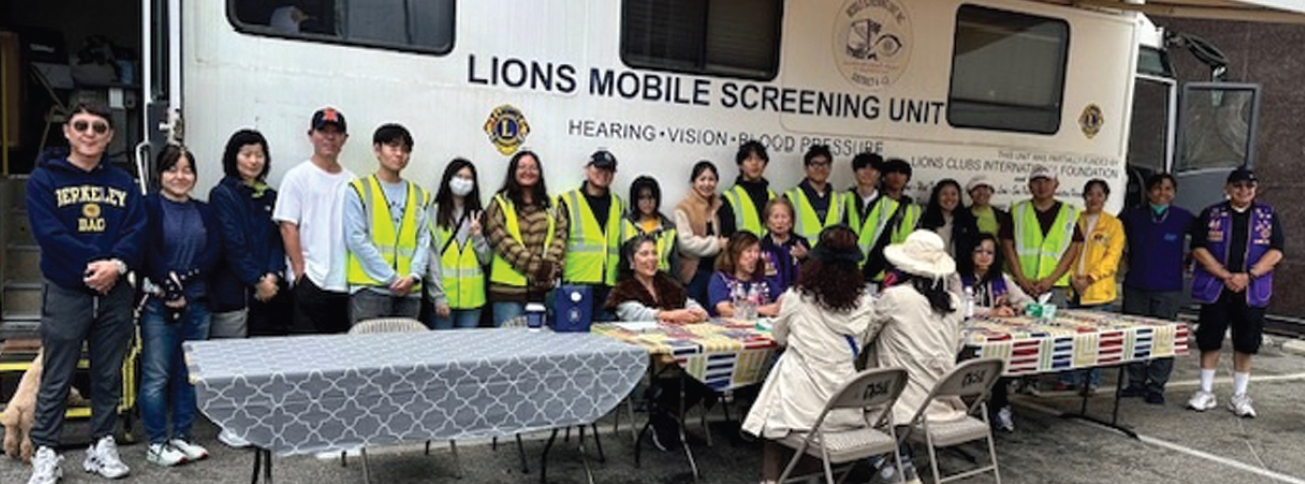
1242	174
328	115
603	159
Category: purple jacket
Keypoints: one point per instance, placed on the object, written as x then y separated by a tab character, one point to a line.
1206	288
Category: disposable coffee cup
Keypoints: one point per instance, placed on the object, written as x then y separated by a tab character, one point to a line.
535	313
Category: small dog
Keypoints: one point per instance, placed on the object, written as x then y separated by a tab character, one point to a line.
20	413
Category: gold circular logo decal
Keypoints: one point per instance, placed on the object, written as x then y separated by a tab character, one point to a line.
1091	120
507	129
91	210
872	42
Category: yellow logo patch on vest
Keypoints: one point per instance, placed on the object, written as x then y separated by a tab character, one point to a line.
507	129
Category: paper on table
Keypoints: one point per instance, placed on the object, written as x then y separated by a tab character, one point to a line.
637	326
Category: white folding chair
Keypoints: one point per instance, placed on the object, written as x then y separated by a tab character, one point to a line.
871	389
971	379
395	325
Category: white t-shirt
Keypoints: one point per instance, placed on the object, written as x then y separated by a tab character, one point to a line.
313	199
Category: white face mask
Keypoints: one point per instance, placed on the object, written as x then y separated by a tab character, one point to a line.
461	186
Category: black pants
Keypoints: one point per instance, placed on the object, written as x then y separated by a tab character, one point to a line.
271	318
68	318
1154	374
318	311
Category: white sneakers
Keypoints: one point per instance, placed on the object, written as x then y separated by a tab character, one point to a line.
46	467
102	458
164	455
1202	401
1005	419
1239	405
194	453
231	440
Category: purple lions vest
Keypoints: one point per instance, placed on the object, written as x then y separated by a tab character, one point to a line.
1205	287
986	296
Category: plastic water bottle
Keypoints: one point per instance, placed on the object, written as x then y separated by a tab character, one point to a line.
968	303
754	300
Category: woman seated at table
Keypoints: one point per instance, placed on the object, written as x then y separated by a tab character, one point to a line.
645	293
741	273
995	293
921	329
827	317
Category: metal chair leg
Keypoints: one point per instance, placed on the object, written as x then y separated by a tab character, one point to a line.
267	467
584	458
258	465
344	458
543	459
428	447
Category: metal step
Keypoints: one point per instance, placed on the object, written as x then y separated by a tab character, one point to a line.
17	227
22	263
22	300
14	189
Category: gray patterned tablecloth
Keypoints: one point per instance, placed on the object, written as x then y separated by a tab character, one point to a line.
308	394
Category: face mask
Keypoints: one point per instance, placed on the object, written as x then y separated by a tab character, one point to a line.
1159	209
461	186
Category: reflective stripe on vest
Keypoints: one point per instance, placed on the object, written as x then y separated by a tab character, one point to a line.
1039	256
501	271
868	230
746	215
593	253
805	222
397	248
464	282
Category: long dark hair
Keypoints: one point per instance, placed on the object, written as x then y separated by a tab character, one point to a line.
239	140
933	213
933	289
965	259
512	190
700	167
444	197
835	281
640	184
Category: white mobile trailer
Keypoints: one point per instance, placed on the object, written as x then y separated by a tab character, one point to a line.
561	66
956	88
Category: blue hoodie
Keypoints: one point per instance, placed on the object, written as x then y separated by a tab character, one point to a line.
79	217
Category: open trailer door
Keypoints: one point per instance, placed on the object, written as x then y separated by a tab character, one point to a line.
1275	11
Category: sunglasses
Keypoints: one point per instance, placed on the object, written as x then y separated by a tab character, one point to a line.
98	127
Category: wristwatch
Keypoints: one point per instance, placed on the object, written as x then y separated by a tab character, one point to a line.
122	266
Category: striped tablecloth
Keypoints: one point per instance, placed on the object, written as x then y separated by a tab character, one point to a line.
1074	339
720	354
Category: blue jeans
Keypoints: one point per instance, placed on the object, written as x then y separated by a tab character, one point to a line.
458	318
164	380
504	311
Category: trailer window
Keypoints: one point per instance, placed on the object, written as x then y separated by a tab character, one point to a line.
730	38
1008	71
410	25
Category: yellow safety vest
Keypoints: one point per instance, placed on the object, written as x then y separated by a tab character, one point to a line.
805	221
881	214
746	215
593	253
397	248
663	237
464	281
1039	255
501	271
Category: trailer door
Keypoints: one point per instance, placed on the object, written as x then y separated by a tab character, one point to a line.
161	60
1217	125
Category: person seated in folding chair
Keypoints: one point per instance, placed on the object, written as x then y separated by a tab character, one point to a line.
824	321
921	330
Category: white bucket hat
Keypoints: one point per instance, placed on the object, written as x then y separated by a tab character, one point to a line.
921	254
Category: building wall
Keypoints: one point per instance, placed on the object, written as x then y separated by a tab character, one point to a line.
1272	56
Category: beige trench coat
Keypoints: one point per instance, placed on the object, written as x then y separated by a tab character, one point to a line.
924	343
816	361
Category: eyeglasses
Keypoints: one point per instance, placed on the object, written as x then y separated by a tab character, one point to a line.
98	127
819	164
1244	184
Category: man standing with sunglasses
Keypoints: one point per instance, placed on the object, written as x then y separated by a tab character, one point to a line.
1236	244
88	220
